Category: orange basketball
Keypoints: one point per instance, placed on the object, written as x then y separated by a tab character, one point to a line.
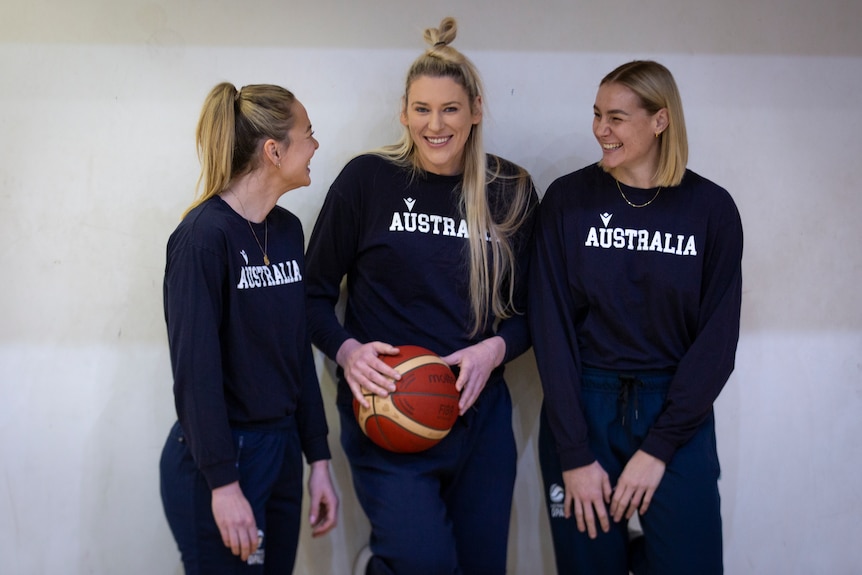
421	410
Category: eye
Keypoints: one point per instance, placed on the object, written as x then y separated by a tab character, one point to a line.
420	109
451	109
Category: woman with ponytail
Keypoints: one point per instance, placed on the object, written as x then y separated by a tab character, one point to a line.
433	236
245	387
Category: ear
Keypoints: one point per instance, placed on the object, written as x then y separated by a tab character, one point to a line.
272	151
660	121
477	110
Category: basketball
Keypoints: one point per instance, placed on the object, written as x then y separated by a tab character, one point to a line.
421	410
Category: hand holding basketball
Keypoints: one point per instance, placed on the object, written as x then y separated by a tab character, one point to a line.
422	409
364	371
475	364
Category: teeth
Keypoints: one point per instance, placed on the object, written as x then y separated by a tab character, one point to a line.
611	146
438	140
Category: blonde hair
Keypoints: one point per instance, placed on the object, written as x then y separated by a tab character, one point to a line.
231	126
656	89
492	257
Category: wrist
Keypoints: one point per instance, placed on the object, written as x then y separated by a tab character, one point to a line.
345	350
498	349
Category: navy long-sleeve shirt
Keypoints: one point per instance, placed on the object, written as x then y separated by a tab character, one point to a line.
620	288
240	350
402	243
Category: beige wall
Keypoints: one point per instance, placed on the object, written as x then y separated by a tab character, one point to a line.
97	112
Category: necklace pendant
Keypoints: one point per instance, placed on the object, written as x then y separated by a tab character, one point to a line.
265	260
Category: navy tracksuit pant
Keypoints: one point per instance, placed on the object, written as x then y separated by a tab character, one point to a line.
682	527
270	468
446	510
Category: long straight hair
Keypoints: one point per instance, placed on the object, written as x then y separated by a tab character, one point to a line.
491	251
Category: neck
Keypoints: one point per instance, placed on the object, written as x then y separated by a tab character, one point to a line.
249	199
645	179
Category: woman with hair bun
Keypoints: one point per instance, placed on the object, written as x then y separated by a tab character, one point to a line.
452	284
635	295
245	387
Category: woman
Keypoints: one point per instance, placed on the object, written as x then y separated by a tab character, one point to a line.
245	386
433	237
634	308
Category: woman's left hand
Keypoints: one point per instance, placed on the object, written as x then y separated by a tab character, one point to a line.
636	486
476	364
323	510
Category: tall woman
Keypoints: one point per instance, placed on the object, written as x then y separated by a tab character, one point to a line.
245	387
433	236
634	307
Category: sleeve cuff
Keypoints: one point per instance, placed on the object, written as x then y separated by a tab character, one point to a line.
316	448
576	457
220	474
658	447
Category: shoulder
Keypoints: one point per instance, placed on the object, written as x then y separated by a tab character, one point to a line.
368	164
367	171
285	219
506	174
565	188
504	167
206	221
204	229
707	193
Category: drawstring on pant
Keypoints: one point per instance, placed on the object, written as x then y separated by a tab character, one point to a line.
628	386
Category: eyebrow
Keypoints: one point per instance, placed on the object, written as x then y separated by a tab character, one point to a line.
417	102
623	112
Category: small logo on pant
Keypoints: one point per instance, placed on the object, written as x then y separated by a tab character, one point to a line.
258	556
556	495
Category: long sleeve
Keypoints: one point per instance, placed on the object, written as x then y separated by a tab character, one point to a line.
552	317
193	304
708	363
515	330
310	415
331	251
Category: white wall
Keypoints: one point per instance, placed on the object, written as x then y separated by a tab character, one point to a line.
97	111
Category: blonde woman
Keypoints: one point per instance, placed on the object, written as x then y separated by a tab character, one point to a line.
634	304
246	392
433	237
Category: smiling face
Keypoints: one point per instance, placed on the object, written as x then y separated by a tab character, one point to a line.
439	117
627	135
296	156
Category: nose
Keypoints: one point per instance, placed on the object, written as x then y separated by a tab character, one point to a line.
600	126
436	121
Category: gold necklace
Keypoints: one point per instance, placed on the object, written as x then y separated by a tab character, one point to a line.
265	245
636	205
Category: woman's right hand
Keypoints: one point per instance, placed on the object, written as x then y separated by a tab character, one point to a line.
365	371
235	520
588	490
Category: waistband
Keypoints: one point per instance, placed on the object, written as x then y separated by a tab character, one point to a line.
644	380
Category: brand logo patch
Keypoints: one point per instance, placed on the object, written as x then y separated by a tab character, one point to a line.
556	496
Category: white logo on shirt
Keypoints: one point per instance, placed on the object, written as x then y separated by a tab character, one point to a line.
267	276
427	223
639	240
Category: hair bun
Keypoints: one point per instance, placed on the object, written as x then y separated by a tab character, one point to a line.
442	36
